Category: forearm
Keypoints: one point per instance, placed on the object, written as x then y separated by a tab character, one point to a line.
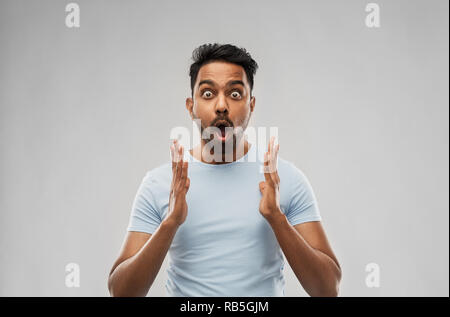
317	272
135	275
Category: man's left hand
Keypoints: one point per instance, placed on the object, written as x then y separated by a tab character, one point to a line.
270	188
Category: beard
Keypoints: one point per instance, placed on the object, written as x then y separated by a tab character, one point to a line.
218	147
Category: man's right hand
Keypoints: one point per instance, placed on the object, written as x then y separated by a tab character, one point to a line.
180	185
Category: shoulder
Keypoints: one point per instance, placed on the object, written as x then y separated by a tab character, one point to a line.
155	185
293	180
287	170
158	173
158	178
301	203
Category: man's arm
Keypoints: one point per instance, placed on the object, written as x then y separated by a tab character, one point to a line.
142	254
139	261
309	254
306	246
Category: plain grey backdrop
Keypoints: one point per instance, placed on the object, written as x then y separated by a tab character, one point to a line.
86	111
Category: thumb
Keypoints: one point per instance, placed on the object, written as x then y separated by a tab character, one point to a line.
262	185
188	183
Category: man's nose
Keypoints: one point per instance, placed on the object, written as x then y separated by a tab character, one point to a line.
221	106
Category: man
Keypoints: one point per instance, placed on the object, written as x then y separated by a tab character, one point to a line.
224	224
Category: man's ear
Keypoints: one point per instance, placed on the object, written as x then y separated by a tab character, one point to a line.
190	106
252	103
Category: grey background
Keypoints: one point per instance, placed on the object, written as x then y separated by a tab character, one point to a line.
86	112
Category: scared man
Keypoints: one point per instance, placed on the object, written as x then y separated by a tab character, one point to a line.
223	222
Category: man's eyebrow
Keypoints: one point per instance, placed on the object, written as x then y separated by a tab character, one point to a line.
236	82
230	83
206	81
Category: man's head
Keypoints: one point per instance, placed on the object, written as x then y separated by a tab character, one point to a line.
221	88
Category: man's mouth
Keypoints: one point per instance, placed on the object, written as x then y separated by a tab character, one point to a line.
224	127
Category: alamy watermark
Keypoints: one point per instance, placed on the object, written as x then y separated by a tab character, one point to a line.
73	275
373	18
73	16
222	142
373	278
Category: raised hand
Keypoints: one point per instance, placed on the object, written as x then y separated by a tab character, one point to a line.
180	185
270	188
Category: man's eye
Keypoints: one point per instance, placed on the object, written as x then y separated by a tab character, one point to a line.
207	94
236	94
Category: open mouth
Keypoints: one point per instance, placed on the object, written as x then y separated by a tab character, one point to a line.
224	127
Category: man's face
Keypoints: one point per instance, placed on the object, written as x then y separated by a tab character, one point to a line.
221	99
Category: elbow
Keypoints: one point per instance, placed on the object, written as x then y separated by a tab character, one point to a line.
333	290
329	291
330	288
335	285
113	288
115	291
122	290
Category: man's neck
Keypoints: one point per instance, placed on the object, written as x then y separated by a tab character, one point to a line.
198	154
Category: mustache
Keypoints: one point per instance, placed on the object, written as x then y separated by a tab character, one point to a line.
222	119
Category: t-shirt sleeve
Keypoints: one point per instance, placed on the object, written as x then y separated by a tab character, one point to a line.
144	215
303	206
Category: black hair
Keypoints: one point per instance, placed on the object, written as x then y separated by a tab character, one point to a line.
222	52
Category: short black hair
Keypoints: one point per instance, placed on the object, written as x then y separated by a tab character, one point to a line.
222	52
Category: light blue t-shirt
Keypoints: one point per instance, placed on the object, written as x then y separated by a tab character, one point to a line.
225	247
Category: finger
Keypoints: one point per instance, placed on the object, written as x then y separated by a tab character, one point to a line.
176	150
183	176
181	153
277	149
272	148
274	156
172	154
174	164
271	156
271	167
274	163
179	164
266	168
269	147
